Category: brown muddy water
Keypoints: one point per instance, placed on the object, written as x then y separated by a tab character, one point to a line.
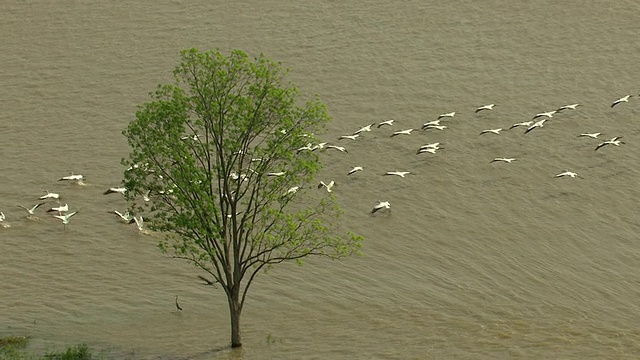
475	260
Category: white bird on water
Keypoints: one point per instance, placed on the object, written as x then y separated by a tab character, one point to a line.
327	186
381	205
507	160
49	195
388	123
398	173
615	141
402	132
591	135
355	169
493	131
485	107
621	100
451	114
568	173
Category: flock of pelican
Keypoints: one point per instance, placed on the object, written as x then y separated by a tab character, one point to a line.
61	211
536	122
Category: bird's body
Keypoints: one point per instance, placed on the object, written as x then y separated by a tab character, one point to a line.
319	146
485	107
381	205
537	124
507	160
388	123
591	135
65	218
451	114
365	128
437	127
567	173
567	107
432	145
548	114
49	195
339	148
276	174
291	190
126	217
430	150
431	123
493	131
398	173
32	209
73	177
402	132
60	208
327	186
355	169
349	137
621	100
615	142
115	190
524	123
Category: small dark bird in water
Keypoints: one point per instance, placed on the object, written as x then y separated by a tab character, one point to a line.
178	307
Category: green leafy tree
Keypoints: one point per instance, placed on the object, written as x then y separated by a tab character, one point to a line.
225	155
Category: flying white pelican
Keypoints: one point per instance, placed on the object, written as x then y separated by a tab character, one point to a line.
537	124
567	107
280	173
548	114
524	123
397	173
388	122
402	132
32	209
567	173
146	197
327	186
292	190
355	169
507	160
485	107
319	146
493	131
381	205
2	220
114	190
126	217
451	114
60	208
309	147
49	195
349	137
621	100
74	177
339	148
431	123
431	150
140	223
65	218
591	135
366	128
437	127
615	141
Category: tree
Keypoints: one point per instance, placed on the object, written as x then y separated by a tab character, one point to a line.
225	154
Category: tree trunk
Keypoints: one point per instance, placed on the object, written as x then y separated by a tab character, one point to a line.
235	310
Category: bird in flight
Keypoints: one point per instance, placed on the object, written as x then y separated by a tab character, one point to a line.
398	173
115	190
524	123
381	205
49	195
548	114
567	107
485	107
327	186
32	209
451	114
365	128
388	123
537	124
349	137
591	135
402	132
507	160
621	100
568	173
65	218
355	169
493	131
615	141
